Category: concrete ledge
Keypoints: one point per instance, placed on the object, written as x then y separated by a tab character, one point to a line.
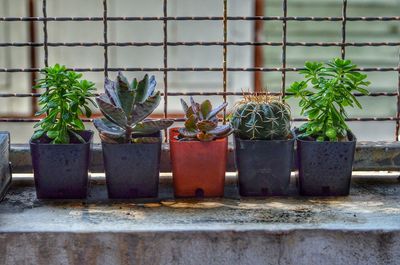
363	228
369	156
300	247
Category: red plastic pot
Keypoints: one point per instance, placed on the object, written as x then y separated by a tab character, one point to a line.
198	168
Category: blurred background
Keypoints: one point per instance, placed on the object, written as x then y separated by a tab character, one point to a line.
200	56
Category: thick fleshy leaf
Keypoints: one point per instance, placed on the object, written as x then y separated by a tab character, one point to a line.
205	108
206	126
143	88
142	110
185	106
151	126
221	130
190	123
105	138
194	105
123	84
187	134
103	126
215	111
109	88
205	137
112	113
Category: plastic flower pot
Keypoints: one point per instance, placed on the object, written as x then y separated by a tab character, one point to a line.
133	169
61	170
325	167
198	168
5	168
264	166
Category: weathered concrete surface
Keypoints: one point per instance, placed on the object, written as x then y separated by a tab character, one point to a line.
363	228
369	156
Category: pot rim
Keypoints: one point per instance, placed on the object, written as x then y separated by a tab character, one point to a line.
174	130
50	144
354	139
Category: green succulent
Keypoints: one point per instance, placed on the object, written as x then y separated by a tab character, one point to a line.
261	117
202	122
125	107
325	93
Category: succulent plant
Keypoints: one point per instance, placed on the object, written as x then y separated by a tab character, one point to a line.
125	107
202	122
261	117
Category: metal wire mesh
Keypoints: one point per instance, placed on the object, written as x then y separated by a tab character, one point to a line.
225	44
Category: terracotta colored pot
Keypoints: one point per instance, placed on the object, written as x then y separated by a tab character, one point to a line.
198	168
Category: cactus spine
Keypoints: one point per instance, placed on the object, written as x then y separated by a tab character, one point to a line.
261	117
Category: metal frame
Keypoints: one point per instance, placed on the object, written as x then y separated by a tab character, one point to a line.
224	44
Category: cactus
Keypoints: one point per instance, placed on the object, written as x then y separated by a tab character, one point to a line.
202	122
125	107
261	117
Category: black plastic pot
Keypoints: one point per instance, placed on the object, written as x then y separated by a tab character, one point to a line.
61	170
5	168
325	167
132	170
264	166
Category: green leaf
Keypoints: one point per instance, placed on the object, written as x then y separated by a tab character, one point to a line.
205	108
151	126
143	110
111	112
37	134
52	134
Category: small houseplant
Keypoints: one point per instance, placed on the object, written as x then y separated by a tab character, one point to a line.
263	145
60	146
199	151
326	145
5	165
131	144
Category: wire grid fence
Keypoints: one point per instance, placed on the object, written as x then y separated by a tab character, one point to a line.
225	18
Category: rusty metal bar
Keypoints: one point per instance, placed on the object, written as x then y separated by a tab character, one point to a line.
198	93
165	72
225	52
197	43
105	37
45	34
33	56
284	40
199	18
196	69
344	16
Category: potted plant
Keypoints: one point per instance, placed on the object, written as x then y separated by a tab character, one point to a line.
5	165
60	146
263	145
199	151
326	145
131	144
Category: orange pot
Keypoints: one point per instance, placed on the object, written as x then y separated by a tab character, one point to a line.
198	168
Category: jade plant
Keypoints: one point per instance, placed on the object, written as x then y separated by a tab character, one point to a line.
202	122
125	107
261	117
65	98
324	94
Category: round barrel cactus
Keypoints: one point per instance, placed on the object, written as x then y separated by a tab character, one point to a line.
261	117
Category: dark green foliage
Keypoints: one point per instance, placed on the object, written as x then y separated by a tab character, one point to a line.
125	107
324	94
202	122
64	99
261	117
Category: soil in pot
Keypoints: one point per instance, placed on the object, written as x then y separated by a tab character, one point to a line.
198	168
61	170
132	170
325	168
264	166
